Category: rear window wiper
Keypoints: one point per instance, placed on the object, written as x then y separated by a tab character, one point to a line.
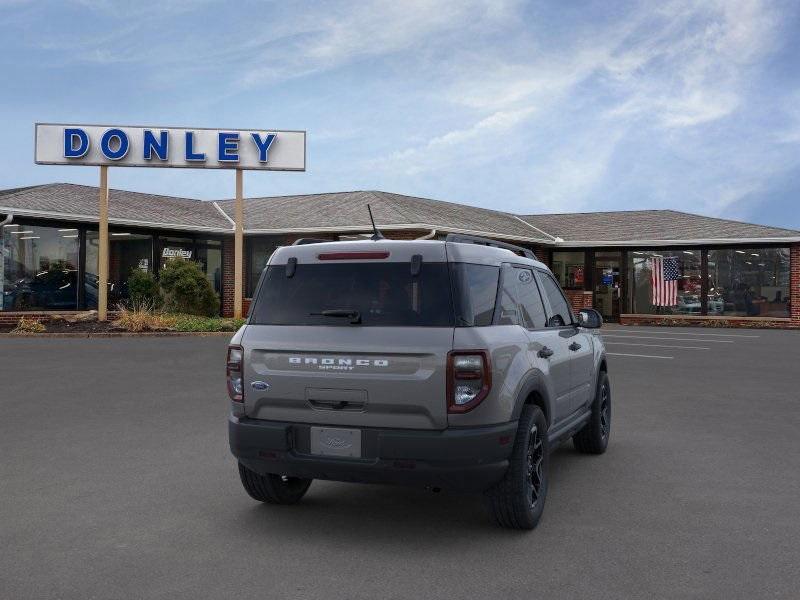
353	315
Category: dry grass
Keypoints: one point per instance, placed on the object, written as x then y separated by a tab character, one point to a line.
26	325
142	317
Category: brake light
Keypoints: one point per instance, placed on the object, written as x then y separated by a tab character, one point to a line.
469	379
352	255
234	373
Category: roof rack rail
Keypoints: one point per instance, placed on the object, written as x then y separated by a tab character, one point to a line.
481	241
306	241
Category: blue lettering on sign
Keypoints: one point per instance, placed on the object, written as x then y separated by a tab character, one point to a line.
228	142
159	146
263	145
71	136
190	153
122	148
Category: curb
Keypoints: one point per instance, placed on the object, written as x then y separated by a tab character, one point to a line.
119	334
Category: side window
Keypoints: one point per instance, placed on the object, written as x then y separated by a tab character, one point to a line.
474	293
530	301
508	301
561	314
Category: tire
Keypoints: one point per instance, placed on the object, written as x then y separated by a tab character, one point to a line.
517	502
273	489
593	438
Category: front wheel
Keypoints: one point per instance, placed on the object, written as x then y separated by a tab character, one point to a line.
517	502
273	489
593	438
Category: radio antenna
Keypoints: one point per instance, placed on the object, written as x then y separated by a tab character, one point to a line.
377	235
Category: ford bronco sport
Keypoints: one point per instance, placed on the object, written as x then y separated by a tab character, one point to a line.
454	364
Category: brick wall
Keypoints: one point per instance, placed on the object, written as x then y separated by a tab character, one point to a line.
12	318
794	283
579	299
227	276
709	321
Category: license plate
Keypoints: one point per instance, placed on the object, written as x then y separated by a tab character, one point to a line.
327	441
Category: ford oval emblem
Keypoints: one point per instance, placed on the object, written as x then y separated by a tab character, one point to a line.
259	385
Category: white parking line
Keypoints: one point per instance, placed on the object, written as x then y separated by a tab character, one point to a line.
634	332
638	355
652	337
657	346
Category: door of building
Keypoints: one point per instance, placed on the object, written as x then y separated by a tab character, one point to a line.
608	284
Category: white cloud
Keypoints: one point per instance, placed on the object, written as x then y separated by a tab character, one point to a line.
475	144
374	28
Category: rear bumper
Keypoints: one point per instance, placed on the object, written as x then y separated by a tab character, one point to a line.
463	459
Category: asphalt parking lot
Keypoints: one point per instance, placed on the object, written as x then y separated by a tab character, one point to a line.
116	482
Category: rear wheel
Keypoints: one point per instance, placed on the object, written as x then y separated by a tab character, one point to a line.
273	489
517	502
593	438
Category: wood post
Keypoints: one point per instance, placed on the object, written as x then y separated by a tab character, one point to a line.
102	255
238	253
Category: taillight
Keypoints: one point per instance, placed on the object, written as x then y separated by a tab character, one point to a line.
352	255
469	379
234	373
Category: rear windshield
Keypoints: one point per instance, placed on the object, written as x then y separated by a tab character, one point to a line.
382	294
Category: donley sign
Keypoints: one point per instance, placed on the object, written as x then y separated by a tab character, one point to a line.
178	147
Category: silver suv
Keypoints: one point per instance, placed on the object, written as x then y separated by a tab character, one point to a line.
453	364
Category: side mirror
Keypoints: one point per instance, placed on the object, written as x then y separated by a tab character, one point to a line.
590	318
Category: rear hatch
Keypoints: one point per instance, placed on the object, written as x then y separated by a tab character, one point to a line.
351	334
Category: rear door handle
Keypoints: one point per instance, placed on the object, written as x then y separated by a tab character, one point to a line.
574	346
545	352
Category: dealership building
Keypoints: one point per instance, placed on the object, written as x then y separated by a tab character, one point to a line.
724	272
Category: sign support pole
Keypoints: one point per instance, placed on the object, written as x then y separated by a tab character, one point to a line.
238	248
102	256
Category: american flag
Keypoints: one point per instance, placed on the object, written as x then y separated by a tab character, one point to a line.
664	277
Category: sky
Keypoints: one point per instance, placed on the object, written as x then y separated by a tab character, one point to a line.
529	107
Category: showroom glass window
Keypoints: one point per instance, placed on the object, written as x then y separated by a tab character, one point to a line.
687	296
259	250
747	282
128	252
209	255
569	269
39	268
176	247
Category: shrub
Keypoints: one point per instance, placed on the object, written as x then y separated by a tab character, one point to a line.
143	289
28	325
194	323
142	317
186	289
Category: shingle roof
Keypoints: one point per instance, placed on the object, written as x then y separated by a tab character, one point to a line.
348	211
70	201
650	225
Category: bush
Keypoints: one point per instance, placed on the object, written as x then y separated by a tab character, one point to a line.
26	325
143	289
186	289
194	323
